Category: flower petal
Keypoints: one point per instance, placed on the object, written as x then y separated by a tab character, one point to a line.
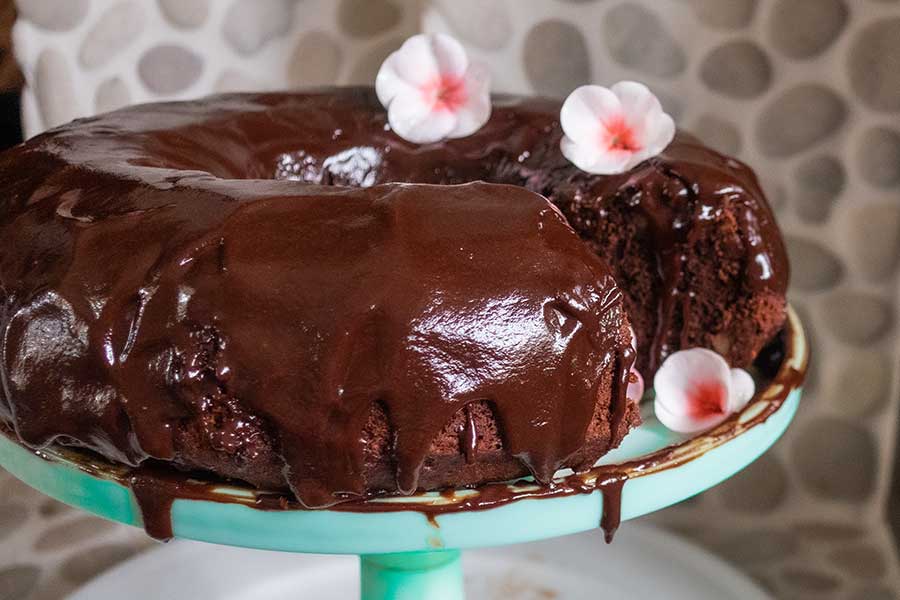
684	423
388	85
639	106
431	91
449	55
693	388
593	159
415	121
659	135
742	389
412	64
634	159
685	368
476	110
618	128
635	389
585	110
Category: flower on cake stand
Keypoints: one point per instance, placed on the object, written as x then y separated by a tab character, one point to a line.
696	390
635	388
611	130
432	91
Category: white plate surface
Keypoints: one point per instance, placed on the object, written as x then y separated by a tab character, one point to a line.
643	562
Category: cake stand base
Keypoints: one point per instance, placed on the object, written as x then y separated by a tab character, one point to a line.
643	563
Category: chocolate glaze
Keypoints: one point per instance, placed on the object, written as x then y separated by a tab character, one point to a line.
612	506
341	137
149	273
155	487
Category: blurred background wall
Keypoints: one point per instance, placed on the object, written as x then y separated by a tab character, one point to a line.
806	91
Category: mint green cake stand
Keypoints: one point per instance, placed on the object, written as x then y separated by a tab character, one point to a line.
403	554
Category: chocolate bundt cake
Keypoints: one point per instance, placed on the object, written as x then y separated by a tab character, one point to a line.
276	288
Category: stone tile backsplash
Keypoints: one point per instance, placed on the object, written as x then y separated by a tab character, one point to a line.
86	56
807	91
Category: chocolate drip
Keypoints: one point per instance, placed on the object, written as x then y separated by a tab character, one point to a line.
155	498
612	507
660	208
156	488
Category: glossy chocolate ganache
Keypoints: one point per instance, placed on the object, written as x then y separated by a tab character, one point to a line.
277	289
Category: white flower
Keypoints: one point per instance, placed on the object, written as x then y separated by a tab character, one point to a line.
432	91
696	390
635	389
609	131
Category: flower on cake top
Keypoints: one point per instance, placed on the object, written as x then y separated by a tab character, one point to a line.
611	130
696	390
432	91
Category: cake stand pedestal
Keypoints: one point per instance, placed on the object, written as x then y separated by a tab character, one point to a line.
434	575
404	554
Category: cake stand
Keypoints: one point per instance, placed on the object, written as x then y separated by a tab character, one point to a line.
409	554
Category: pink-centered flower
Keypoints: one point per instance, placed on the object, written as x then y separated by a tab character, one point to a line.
432	91
611	130
696	390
